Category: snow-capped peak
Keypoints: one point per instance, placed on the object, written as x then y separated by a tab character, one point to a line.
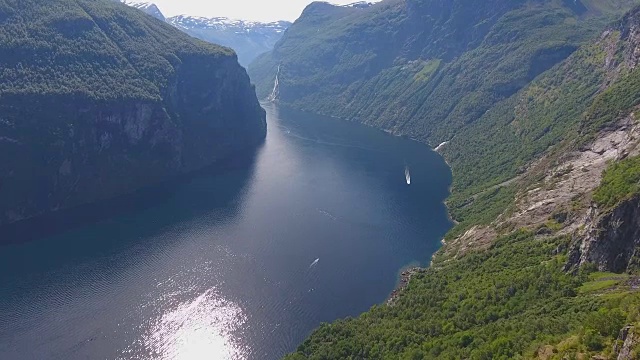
147	7
361	4
222	23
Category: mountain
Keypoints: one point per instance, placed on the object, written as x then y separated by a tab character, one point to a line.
149	8
533	104
248	39
98	99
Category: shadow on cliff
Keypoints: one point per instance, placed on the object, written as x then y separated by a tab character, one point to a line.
230	178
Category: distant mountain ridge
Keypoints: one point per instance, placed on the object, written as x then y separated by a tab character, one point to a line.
149	8
360	4
248	38
222	23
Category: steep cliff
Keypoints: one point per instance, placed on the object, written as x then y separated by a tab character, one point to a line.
610	232
612	241
98	99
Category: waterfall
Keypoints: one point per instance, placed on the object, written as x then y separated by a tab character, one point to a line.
276	88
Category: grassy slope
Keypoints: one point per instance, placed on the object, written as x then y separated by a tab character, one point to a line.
620	182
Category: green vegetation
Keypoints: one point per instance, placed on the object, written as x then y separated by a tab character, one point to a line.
504	140
597	286
429	68
505	303
97	49
599	281
480	209
620	182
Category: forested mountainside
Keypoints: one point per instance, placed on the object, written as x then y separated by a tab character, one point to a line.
98	99
247	38
536	102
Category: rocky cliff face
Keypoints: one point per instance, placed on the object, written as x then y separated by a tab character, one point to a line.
611	240
626	346
150	110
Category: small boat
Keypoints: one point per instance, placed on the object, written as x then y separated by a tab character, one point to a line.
407	175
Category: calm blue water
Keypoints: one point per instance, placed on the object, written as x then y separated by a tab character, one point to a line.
239	265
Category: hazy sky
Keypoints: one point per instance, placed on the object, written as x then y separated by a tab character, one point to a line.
262	10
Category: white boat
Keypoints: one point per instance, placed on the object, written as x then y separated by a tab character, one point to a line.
407	175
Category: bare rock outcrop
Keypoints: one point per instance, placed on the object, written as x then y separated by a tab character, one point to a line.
611	241
626	344
580	173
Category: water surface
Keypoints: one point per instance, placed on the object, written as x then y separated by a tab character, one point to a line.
236	265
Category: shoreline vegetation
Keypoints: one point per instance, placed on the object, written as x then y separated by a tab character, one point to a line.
405	277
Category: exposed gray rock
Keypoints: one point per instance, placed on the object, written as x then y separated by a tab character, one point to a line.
577	174
580	173
612	240
624	346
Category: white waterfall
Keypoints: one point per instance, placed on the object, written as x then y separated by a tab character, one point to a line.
276	88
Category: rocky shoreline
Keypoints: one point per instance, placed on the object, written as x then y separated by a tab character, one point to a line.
405	277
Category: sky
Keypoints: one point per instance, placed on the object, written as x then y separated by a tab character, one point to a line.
256	10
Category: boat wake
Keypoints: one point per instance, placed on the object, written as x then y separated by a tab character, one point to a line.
327	214
314	263
407	175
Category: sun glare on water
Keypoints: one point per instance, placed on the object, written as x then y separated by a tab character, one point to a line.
197	329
